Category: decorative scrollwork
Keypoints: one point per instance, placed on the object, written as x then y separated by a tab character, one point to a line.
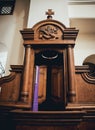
48	32
90	76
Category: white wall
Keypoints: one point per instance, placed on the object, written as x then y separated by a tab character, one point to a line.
85	46
81	11
10	26
39	7
84	19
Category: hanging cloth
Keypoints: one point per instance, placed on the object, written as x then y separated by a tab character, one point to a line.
36	85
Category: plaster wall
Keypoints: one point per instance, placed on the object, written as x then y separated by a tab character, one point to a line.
38	9
85	46
10	37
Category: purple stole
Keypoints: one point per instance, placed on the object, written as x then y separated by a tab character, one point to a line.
35	100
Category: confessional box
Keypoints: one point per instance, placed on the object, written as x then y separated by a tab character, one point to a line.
49	45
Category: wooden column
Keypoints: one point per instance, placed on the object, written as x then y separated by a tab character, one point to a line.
27	83
71	74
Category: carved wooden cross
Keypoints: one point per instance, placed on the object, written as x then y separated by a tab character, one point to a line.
49	13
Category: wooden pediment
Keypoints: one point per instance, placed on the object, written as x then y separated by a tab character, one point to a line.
49	31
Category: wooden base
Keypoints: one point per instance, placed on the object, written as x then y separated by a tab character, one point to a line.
28	120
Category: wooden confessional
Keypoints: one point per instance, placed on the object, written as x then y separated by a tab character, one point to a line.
66	94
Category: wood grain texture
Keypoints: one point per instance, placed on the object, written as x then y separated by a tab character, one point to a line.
66	95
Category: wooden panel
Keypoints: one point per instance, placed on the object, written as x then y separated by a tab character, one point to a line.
10	88
42	84
46	128
57	84
49	120
87	125
85	92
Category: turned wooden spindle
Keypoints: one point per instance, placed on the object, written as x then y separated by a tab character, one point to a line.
71	74
28	72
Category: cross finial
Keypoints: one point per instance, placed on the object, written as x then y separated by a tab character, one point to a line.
49	13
